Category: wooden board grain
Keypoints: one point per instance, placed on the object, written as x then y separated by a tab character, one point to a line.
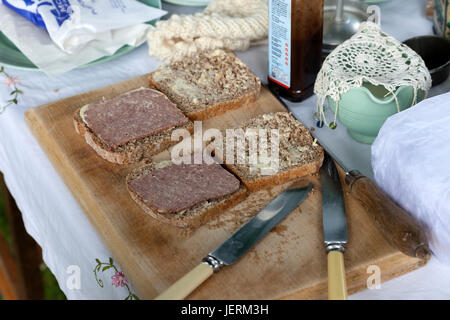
290	262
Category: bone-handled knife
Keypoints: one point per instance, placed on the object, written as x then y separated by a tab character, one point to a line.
334	228
239	243
398	227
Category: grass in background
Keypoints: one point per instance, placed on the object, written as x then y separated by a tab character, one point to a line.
4	228
51	287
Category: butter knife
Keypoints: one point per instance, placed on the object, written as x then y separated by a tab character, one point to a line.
239	243
334	228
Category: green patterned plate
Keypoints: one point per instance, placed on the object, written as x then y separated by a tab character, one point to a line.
10	56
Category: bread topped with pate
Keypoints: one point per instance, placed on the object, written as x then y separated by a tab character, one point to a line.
130	127
207	85
184	195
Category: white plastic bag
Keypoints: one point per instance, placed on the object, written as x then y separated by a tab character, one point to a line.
37	46
72	24
411	163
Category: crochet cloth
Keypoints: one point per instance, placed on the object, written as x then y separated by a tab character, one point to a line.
370	56
225	24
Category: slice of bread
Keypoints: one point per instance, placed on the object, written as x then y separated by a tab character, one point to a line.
207	85
299	155
138	148
192	217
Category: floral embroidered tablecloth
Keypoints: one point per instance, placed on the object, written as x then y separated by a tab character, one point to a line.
71	248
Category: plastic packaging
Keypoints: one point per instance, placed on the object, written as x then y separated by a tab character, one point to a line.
72	24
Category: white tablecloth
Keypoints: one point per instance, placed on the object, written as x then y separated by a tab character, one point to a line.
56	222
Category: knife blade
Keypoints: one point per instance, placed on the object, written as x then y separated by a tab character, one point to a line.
251	232
239	243
333	207
334	228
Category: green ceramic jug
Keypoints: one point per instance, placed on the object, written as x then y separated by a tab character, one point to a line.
363	110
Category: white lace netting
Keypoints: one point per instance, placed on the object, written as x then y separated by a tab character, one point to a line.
370	56
225	24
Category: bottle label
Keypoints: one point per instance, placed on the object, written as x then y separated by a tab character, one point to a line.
280	42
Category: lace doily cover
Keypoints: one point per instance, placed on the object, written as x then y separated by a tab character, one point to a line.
370	56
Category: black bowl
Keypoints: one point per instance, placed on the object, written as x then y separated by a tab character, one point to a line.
435	52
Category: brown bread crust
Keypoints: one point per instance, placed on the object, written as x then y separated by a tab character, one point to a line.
308	167
132	152
234	93
267	182
214	110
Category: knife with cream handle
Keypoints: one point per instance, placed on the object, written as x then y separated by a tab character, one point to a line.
334	228
239	243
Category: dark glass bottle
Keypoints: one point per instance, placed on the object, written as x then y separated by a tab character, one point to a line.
295	46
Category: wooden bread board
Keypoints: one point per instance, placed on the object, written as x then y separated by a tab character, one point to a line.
289	263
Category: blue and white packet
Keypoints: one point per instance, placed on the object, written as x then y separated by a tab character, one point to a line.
72	24
27	9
